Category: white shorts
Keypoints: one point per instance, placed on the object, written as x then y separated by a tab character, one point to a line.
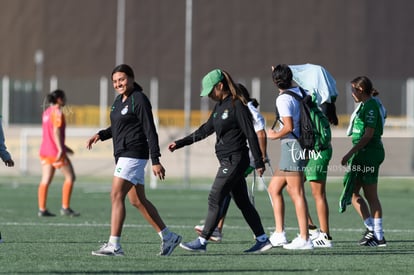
132	170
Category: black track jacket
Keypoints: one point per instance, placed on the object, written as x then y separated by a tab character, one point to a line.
132	128
233	124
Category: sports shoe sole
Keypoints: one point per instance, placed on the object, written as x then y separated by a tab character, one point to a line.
106	255
264	248
95	253
45	214
190	249
69	214
279	244
321	244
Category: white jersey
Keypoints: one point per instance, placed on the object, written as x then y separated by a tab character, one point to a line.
288	106
258	124
258	119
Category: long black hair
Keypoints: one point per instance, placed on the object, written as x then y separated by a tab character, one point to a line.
282	76
245	93
364	84
52	97
126	69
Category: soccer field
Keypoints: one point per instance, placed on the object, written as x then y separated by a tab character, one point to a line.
62	245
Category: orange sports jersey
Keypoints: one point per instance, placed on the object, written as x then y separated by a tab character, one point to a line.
52	117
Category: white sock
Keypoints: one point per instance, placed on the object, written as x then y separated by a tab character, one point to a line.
369	224
379	234
115	241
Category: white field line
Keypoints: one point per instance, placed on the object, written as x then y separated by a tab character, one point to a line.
178	226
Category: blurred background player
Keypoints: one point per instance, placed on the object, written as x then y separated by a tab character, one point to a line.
54	155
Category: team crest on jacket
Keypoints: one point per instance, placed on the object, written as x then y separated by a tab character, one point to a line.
125	110
225	114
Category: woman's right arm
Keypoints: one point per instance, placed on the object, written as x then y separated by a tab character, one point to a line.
202	132
285	130
101	135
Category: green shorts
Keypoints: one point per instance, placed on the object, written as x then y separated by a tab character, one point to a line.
366	163
317	167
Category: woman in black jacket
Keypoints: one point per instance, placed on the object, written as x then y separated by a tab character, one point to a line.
232	123
134	136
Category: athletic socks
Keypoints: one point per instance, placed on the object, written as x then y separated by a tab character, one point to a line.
375	225
379	234
369	224
115	241
262	238
202	240
66	193
42	196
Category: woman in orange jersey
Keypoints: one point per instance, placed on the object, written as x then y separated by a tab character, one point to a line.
53	155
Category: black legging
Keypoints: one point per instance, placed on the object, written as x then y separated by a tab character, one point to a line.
230	180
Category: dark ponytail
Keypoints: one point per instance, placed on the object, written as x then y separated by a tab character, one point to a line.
52	97
282	76
364	84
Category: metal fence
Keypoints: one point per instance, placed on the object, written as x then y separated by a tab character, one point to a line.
89	100
88	107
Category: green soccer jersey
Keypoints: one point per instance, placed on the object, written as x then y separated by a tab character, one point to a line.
368	115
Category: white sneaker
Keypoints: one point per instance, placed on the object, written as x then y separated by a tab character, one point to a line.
217	236
313	233
107	249
299	243
278	239
323	240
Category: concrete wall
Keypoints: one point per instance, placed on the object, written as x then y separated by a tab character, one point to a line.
244	37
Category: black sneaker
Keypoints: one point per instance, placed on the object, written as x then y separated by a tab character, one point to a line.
1	240
382	243
45	213
68	212
368	237
374	242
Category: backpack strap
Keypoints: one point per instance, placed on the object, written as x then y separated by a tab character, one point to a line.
295	96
